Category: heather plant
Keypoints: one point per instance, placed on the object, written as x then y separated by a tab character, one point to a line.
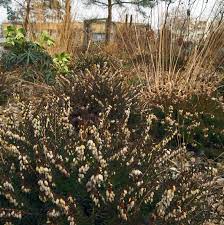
90	59
3	89
198	115
199	120
96	89
8	81
104	172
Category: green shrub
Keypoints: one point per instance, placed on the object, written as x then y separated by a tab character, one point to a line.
105	172
27	55
61	62
45	40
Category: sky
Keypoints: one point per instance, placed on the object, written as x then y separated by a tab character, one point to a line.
82	11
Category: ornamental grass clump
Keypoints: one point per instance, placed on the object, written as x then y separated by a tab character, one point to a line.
105	172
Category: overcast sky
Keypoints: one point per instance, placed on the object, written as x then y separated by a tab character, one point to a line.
83	12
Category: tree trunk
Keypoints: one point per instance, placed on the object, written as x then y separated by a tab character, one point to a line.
109	22
27	17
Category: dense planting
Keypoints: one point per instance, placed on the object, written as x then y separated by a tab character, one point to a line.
118	134
101	173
